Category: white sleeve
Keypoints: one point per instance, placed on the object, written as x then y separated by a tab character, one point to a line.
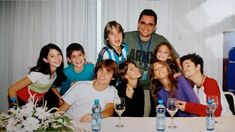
111	94
35	76
105	55
71	95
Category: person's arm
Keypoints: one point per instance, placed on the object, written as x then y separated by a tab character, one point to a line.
102	54
12	90
187	89
108	111
56	92
212	88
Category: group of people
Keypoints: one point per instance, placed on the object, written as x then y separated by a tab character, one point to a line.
130	64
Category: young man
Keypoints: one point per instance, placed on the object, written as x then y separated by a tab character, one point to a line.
77	70
78	100
142	43
204	87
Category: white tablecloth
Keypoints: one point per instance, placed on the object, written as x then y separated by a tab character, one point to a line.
148	124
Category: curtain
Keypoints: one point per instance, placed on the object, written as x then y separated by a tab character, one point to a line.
27	25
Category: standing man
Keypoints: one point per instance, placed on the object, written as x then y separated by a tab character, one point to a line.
142	43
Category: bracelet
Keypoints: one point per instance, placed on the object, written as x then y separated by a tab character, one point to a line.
12	99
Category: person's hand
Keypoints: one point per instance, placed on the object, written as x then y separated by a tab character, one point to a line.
181	105
177	75
86	118
60	101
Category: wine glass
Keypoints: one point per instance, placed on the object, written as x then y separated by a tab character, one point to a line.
172	109
119	105
215	103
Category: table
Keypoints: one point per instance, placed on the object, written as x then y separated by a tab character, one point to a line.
148	124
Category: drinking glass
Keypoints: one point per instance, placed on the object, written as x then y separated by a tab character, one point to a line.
215	103
119	105
172	109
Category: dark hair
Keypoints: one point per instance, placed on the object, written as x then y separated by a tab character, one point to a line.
44	67
74	47
109	64
171	62
169	46
108	28
196	59
123	67
156	85
148	12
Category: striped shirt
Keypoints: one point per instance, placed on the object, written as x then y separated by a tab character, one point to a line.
108	52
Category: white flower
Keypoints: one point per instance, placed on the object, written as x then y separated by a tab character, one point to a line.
31	124
30	117
11	125
41	113
27	110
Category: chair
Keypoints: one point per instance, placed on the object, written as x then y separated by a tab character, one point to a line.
231	100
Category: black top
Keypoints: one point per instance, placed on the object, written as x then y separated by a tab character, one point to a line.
134	105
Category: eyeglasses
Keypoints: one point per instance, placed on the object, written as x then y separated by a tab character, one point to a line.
146	24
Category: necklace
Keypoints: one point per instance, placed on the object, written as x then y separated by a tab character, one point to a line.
203	79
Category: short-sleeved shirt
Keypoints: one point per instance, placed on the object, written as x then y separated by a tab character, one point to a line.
72	76
141	52
40	85
81	98
108	52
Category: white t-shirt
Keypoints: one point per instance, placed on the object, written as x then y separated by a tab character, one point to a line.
41	82
81	98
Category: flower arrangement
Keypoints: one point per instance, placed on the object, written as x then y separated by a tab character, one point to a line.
31	117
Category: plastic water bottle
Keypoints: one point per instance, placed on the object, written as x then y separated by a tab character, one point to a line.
160	117
96	116
210	118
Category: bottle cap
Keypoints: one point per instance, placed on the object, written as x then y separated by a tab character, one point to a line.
209	101
160	101
96	101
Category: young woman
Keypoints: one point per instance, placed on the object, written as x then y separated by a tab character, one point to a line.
131	90
49	68
164	85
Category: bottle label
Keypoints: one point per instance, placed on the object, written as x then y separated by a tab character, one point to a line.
210	123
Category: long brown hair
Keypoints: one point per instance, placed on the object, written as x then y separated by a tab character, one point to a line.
156	85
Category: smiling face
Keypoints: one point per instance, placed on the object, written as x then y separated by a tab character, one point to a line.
115	37
133	72
146	26
189	69
54	59
163	53
104	76
160	71
77	58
